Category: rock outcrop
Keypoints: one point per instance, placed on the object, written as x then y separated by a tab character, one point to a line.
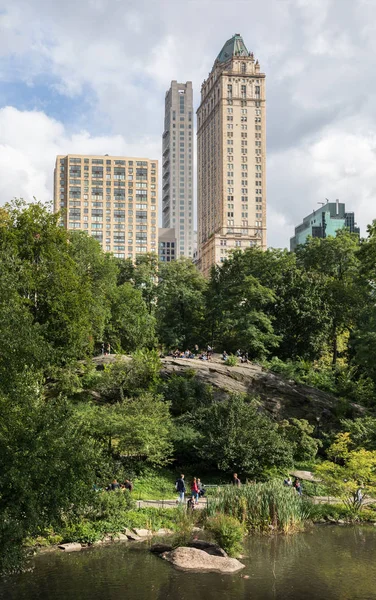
192	559
280	397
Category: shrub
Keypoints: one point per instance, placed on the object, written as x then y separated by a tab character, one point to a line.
84	532
228	533
106	505
232	361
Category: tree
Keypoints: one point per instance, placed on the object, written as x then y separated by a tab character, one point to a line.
130	326
47	465
138	428
236	437
51	280
298	432
238	309
353	476
336	259
180	308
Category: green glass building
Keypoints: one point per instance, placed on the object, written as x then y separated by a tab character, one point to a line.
324	222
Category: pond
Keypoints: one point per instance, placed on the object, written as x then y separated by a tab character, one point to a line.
328	562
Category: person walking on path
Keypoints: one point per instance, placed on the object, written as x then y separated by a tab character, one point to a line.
201	488
194	490
235	480
180	488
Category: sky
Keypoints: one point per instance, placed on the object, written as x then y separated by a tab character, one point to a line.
90	77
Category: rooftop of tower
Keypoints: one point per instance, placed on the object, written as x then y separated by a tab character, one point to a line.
233	47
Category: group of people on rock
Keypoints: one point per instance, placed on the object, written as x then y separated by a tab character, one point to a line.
105	348
202	355
197	490
296	484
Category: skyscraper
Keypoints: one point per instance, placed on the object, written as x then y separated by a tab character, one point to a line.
324	222
231	156
177	166
113	198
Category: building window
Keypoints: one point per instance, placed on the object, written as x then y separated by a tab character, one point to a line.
243	68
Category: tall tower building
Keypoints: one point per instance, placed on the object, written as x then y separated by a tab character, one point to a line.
231	156
177	166
113	198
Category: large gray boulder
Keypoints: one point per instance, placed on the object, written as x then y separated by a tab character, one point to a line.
207	547
192	559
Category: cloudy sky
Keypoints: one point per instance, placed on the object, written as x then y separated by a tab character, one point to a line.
89	76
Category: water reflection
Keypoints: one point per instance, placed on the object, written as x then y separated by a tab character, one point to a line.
324	563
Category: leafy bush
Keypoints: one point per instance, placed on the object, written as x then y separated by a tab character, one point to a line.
232	361
83	532
228	533
106	505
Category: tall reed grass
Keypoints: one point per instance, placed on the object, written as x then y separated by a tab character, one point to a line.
262	506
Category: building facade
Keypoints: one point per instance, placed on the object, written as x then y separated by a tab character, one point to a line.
231	156
113	198
177	166
166	244
324	222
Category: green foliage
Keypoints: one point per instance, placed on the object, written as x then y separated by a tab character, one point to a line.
134	427
238	309
125	378
362	432
236	437
180	306
47	464
105	505
352	476
232	361
131	326
227	531
186	393
262	506
299	433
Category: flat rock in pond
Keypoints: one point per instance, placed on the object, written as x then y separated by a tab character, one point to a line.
192	559
131	535
207	547
142	533
120	537
71	547
160	548
162	532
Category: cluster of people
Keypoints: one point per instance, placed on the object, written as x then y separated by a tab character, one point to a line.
205	355
197	490
296	484
115	485
105	348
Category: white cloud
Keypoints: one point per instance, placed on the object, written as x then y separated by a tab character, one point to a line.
30	142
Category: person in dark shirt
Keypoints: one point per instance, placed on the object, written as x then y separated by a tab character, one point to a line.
128	485
235	480
180	487
115	485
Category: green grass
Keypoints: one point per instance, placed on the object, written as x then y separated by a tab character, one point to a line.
262	506
155	485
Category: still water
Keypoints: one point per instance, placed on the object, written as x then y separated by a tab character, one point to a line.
324	564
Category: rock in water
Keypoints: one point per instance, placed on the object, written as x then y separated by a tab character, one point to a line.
192	559
207	547
72	547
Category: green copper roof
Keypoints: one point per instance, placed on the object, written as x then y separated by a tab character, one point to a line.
233	47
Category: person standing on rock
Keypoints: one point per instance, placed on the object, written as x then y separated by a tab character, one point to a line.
180	488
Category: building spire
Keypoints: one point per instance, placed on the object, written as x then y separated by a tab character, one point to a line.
233	47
